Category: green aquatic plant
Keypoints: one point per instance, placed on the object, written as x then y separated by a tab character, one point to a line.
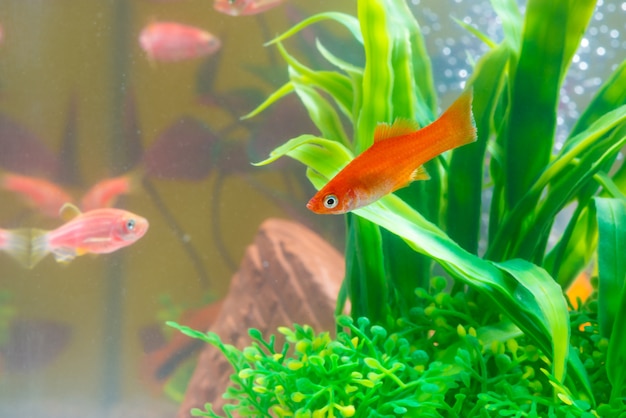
438	361
394	243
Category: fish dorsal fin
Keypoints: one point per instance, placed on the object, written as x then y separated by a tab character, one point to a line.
420	173
69	211
399	127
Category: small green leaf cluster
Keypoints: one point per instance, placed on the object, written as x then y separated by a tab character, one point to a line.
442	359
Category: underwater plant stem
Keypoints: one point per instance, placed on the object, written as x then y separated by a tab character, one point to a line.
215	223
114	287
178	231
266	35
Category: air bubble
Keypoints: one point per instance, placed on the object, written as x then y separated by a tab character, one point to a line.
583	65
446	51
584	43
614	33
600	51
463	73
579	90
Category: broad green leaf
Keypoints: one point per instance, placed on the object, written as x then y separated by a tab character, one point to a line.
579	13
409	44
466	170
547	294
611	217
534	96
376	103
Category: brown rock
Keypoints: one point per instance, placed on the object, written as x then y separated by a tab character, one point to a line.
289	275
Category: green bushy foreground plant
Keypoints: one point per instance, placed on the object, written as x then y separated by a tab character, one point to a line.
437	361
394	244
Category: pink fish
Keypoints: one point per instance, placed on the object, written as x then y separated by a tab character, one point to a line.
104	193
171	42
41	194
98	231
244	7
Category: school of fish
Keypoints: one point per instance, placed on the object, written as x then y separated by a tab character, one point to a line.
98	229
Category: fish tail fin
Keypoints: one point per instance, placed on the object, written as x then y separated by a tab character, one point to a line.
16	243
456	126
38	246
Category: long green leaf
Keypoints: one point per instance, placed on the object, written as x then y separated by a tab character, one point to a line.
549	297
378	75
532	117
504	243
349	22
466	169
611	215
338	86
611	95
321	112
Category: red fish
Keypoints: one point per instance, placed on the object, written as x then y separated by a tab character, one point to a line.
41	194
104	193
244	7
395	159
99	231
170	42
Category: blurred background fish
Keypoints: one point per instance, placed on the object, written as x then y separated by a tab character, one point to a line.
105	193
171	42
244	7
40	194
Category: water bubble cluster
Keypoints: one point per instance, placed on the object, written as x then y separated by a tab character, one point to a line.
454	50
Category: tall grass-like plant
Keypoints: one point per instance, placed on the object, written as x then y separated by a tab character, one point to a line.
516	92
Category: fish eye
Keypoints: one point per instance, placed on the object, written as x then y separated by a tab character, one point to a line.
130	224
331	201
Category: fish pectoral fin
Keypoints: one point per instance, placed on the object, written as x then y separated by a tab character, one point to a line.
419	173
69	211
399	127
65	255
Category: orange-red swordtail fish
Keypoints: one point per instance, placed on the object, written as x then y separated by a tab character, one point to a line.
395	159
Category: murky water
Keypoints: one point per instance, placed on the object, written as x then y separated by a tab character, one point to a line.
81	102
